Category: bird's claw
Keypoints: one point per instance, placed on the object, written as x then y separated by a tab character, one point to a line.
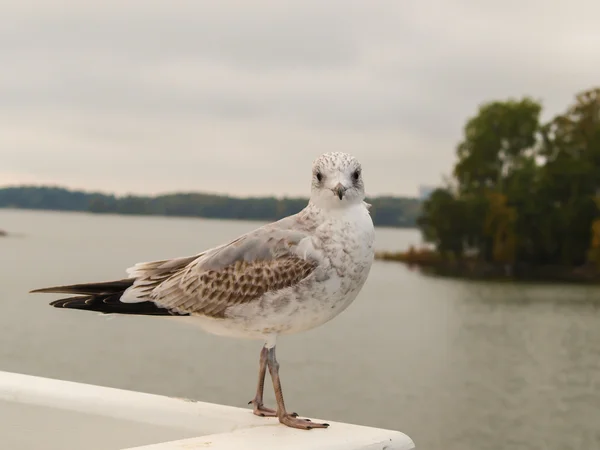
303	424
262	411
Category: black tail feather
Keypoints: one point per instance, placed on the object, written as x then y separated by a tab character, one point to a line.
90	288
105	298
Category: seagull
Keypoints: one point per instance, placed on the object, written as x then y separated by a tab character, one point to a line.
285	277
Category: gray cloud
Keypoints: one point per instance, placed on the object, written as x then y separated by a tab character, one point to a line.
146	96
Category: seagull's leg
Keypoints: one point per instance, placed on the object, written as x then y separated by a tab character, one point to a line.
291	420
259	408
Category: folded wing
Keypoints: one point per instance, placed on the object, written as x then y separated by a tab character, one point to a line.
266	260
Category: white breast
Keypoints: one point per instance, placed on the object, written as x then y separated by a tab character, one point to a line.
345	244
350	249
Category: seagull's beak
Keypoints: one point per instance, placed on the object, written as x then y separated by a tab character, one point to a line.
339	190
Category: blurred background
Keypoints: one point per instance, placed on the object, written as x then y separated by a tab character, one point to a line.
141	130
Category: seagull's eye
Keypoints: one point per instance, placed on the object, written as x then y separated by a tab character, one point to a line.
319	176
356	175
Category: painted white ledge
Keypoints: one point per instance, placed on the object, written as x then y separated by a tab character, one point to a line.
106	418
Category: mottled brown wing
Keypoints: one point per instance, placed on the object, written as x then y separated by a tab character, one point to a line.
214	291
238	273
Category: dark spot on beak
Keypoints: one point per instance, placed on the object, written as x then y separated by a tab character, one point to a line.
339	190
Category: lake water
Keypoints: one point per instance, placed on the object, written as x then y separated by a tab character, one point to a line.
454	364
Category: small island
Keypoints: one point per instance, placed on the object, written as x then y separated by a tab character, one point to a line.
523	201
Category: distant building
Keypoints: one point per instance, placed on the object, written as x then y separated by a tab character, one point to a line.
425	191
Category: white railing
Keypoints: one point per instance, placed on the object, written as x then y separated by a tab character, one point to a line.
214	426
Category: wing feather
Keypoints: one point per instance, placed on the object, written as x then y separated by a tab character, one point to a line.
239	272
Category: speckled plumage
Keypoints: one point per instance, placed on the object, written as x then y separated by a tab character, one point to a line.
282	278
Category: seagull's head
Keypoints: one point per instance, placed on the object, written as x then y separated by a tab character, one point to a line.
337	181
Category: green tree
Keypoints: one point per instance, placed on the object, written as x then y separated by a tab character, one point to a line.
441	222
594	251
500	223
570	177
525	192
495	142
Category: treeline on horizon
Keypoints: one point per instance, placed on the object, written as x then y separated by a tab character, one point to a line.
386	211
522	192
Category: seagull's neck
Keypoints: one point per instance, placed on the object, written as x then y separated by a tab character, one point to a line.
343	212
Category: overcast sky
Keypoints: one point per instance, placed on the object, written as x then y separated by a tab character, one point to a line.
239	97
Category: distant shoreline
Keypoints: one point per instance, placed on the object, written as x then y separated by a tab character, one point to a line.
407	227
392	212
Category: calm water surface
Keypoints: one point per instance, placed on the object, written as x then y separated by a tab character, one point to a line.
456	365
